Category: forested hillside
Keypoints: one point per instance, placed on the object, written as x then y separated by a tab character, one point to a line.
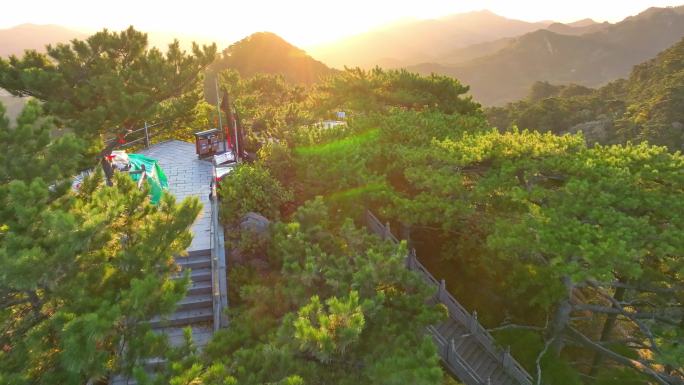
648	105
569	253
267	53
559	246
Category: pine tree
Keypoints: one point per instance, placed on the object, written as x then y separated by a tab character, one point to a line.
81	272
109	83
336	306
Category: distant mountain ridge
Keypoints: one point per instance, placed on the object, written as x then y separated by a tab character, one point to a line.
577	28
583	23
15	40
590	59
420	41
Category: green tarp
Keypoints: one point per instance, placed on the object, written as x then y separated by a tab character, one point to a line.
156	178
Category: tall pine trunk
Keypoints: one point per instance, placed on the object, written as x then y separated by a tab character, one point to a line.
608	327
561	319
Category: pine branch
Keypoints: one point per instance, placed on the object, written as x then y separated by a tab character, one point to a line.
638	365
621	311
516	326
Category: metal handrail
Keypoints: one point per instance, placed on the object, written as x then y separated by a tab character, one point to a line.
218	265
146	138
214	271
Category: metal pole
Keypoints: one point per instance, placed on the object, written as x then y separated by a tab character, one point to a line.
218	110
237	144
147	137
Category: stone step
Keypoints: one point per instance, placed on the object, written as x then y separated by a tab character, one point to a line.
198	275
459	341
194	263
444	325
464	344
151	365
452	331
500	377
201	334
181	318
201	287
479	359
121	380
195	301
470	350
199	253
487	370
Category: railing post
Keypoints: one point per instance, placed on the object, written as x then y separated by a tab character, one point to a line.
473	323
451	350
441	290
506	359
406	234
409	259
388	232
147	137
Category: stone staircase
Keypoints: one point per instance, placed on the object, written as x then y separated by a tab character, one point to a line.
466	348
195	310
203	308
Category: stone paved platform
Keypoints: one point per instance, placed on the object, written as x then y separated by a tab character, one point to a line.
188	176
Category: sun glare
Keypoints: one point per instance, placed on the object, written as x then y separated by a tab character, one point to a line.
302	22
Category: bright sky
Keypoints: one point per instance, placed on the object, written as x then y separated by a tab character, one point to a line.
302	22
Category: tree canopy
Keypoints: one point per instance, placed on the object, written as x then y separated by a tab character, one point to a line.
357	90
335	305
534	229
81	272
109	83
571	253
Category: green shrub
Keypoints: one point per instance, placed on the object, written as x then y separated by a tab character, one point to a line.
277	158
251	189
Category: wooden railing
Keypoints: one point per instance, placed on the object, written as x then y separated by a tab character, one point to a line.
219	282
446	348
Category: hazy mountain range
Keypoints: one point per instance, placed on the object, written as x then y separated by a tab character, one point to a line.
412	42
499	58
15	40
505	70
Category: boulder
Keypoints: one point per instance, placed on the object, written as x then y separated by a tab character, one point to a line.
251	244
595	131
255	223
